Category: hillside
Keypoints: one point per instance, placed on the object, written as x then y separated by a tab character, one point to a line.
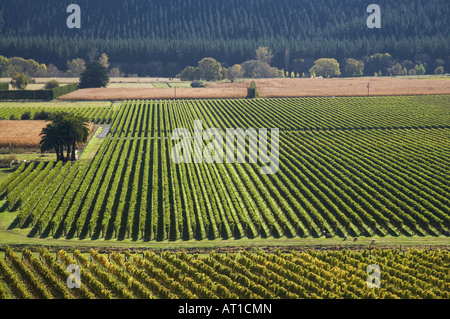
181	32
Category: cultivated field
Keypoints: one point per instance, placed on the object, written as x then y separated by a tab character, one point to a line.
20	133
415	274
118	94
98	112
345	86
267	88
348	167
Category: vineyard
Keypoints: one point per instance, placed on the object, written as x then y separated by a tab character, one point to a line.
413	274
97	114
348	167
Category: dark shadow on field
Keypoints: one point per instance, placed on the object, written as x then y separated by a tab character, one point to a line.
3	207
14	224
126	228
33	232
136	218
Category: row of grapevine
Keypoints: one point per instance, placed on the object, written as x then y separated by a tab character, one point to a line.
97	114
416	274
330	182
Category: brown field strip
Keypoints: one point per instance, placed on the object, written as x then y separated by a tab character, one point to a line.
20	133
274	88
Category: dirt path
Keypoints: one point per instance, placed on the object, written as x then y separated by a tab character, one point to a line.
105	132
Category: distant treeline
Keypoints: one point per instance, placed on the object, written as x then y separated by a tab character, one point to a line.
155	37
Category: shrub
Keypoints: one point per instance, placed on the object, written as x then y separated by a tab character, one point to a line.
57	92
4	86
41	116
190	74
197	84
26	116
439	70
38	94
252	92
12	117
20	81
50	85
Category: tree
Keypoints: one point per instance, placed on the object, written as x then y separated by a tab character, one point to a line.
301	66
396	70
92	54
29	67
95	76
53	71
75	130
287	58
115	73
326	68
378	62
51	139
439	70
65	131
420	69
354	67
234	72
20	81
248	68
259	69
76	67
190	74
103	60
264	55
50	85
210	69
408	64
5	64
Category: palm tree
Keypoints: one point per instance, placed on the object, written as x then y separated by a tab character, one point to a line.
79	133
66	130
51	139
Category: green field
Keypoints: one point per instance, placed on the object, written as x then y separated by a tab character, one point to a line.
371	167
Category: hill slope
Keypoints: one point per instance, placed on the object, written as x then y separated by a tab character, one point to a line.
184	31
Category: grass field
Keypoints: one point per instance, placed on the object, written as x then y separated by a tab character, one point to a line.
92	147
